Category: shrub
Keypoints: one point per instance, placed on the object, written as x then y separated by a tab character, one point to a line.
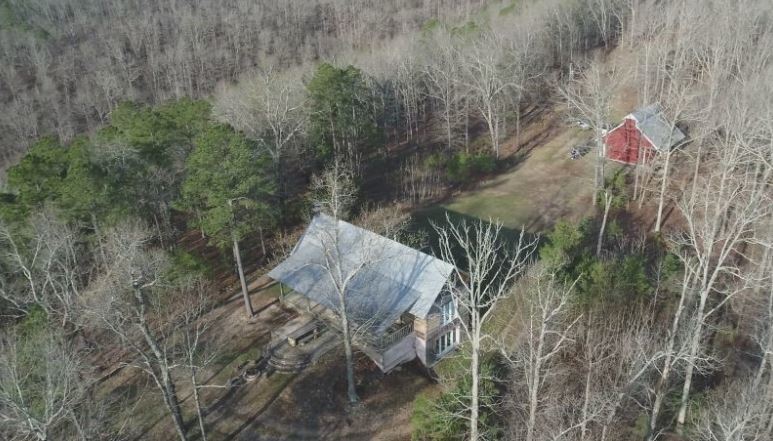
621	279
436	418
428	419
184	264
563	245
34	323
463	167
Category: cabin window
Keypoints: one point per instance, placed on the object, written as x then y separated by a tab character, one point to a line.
446	341
448	311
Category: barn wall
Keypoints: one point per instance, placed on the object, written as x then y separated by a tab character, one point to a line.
626	144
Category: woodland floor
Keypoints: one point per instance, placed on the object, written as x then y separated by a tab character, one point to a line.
310	405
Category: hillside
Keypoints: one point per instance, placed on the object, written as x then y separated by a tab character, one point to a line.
67	64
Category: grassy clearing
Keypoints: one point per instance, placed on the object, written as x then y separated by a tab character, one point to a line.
543	186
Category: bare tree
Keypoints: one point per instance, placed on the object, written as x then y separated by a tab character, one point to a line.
737	411
410	89
589	95
487	78
193	304
525	65
674	350
676	98
44	266
622	351
443	76
722	210
547	321
41	385
335	191
267	107
126	302
346	261
485	267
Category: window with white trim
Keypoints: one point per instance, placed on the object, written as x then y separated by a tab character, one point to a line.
446	342
448	312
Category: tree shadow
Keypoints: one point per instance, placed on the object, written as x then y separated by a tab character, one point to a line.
426	221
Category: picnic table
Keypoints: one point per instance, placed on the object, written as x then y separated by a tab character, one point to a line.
305	333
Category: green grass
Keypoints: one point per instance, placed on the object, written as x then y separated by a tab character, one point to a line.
542	188
510	209
271	291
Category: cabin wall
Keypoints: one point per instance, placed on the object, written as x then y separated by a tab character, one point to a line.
420	347
400	353
423	327
430	329
393	356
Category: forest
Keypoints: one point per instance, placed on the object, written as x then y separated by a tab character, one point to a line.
158	159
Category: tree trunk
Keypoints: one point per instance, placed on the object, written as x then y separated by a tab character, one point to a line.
197	401
449	135
165	383
607	205
242	280
488	115
695	343
660	392
262	242
170	398
535	365
662	384
598	179
474	398
78	428
159	232
518	126
466	126
351	390
659	218
588	378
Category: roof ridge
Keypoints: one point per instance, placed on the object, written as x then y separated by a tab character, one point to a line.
382	237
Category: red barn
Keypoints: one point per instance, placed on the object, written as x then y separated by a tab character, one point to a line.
640	136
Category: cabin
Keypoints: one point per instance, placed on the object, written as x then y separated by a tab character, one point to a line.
397	299
640	136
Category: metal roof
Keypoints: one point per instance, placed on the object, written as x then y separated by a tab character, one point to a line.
386	278
650	121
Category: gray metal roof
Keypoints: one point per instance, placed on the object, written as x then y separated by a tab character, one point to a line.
650	121
386	278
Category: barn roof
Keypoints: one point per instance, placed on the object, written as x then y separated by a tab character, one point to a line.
652	123
387	278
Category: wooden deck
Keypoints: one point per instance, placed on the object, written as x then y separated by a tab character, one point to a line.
395	347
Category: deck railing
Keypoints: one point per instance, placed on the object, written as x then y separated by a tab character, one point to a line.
390	338
387	340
